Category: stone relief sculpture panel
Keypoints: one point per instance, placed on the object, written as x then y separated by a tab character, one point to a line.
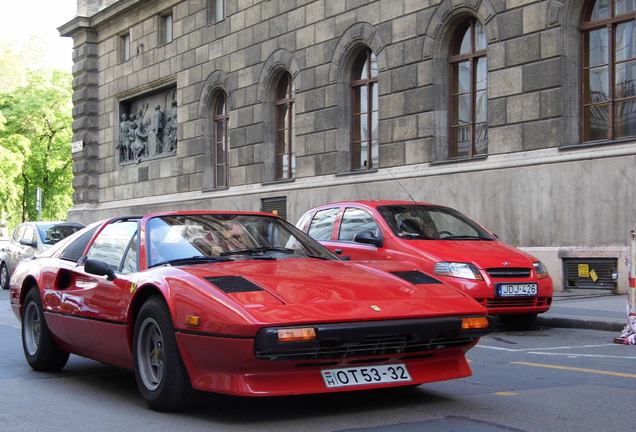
146	132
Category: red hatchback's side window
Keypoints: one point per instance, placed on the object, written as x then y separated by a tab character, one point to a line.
322	224
355	221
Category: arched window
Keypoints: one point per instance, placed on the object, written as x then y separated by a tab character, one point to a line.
285	163
469	91
221	142
364	110
609	70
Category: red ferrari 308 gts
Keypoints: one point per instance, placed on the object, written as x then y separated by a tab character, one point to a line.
237	303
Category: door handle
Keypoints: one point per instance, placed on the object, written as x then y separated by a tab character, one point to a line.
337	251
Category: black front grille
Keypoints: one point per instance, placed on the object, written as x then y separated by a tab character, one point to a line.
336	341
511	302
508	272
398	345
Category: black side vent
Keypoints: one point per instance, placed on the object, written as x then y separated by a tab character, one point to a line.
233	284
416	277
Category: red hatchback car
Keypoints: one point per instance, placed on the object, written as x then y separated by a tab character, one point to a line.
442	242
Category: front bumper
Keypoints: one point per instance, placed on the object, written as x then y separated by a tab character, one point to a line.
258	367
484	292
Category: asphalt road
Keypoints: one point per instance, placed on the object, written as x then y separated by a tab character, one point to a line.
542	380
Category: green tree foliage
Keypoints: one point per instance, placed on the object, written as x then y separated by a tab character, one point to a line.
35	136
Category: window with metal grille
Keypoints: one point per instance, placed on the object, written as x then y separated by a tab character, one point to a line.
590	273
278	204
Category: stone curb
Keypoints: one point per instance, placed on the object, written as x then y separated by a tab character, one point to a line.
568	322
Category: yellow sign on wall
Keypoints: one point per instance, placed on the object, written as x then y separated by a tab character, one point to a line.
584	270
593	275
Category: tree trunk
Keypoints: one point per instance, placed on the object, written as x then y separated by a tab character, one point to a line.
25	194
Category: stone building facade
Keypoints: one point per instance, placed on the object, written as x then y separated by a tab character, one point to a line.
522	144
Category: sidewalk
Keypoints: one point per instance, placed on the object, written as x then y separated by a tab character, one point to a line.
598	310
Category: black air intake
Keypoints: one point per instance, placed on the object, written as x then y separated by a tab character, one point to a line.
416	277
233	284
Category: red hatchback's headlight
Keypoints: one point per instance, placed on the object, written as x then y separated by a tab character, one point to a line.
459	270
540	270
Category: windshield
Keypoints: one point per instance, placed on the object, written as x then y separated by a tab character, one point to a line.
222	237
419	222
53	233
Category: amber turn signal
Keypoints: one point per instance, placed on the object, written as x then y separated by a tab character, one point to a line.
475	323
296	334
192	320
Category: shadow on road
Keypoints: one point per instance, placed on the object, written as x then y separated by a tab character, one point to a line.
119	384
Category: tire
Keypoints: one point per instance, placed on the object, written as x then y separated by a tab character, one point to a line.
40	349
4	277
519	322
161	376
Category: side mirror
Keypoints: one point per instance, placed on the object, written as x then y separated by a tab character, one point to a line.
99	268
367	237
30	243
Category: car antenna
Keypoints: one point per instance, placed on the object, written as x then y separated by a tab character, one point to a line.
402	186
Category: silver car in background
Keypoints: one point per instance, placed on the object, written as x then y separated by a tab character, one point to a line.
29	239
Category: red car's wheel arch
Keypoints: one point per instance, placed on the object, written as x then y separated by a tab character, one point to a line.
142	294
28	283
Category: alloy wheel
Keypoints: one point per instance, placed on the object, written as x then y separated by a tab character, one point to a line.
32	328
150	354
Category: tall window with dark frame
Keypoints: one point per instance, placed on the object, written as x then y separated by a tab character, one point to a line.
216	10
364	111
166	28
608	101
285	163
469	91
221	147
124	43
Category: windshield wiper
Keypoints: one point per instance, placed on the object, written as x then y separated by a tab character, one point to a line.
258	250
414	236
464	237
199	259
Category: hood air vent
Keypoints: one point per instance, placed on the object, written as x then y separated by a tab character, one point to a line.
233	284
416	277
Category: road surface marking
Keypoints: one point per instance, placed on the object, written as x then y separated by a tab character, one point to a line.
492	347
576	369
506	393
581	355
